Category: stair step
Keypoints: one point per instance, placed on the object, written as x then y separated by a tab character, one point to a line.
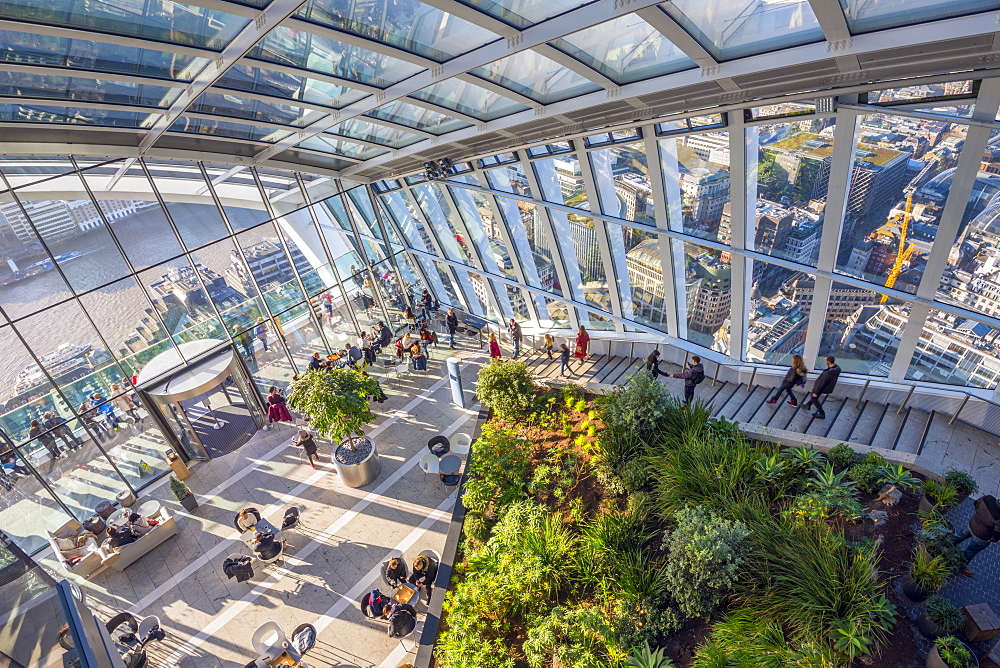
888	426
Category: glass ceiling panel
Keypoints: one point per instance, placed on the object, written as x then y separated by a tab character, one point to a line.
523	13
36	113
220	128
23	84
379	134
626	49
737	28
163	20
413	116
18	47
469	99
407	24
870	15
280	84
338	146
537	77
312	52
253	110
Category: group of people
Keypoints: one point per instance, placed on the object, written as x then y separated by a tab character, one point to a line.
580	351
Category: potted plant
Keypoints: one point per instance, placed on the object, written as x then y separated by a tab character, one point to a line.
950	652
336	402
927	575
940	617
183	494
963	483
938	496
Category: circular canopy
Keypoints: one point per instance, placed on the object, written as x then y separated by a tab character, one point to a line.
191	381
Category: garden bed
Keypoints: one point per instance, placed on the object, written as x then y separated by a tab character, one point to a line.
600	530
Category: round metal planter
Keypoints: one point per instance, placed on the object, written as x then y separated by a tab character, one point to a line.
360	473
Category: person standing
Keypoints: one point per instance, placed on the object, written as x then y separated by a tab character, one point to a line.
276	409
547	344
796	375
106	409
653	363
89	417
451	322
825	384
514	330
261	332
242	337
564	359
426	303
57	426
45	438
124	403
983	528
494	347
305	441
692	377
582	343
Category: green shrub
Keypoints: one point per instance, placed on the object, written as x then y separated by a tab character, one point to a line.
637	622
927	570
963	483
610	482
499	470
941	496
637	407
507	388
604	538
874	458
571	394
842	456
704	554
936	534
944	613
802	459
692	420
820	506
866	476
644	657
635	474
954	652
574	637
616	445
898	477
743	640
825	480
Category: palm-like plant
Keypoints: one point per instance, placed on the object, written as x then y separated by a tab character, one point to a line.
644	657
899	477
825	480
927	571
803	458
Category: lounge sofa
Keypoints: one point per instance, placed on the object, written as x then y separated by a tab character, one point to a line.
76	549
123	557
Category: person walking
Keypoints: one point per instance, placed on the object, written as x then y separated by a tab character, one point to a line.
796	375
57	426
564	359
277	411
514	330
547	344
653	363
451	322
89	416
983	528
124	403
260	331
825	384
306	441
582	343
242	338
45	438
692	377
494	347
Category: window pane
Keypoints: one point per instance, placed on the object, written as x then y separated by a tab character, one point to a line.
862	334
708	295
646	279
537	77
867	16
246	77
561	181
622	177
956	350
469	99
696	181
417	117
777	323
27	280
239	195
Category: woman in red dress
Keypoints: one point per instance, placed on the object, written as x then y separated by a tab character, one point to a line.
276	409
494	347
582	342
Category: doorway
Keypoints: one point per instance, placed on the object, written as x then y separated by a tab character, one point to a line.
210	407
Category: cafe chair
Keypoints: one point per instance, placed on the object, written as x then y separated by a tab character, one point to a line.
304	638
450	479
291	519
236	518
461	443
269	640
439	445
430	463
385	567
403	622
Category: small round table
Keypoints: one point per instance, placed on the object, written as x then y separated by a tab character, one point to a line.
450	464
149	508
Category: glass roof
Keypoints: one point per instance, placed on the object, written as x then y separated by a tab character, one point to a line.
338	146
38	113
523	13
407	24
162	20
225	104
537	77
30	49
378	134
413	116
281	84
24	84
469	99
626	49
869	15
737	28
286	46
221	128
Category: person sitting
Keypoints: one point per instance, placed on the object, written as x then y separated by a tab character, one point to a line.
402	619
10	465
408	314
418	357
374	604
423	574
427	336
354	354
395	571
316	362
267	546
121	536
140	524
247	519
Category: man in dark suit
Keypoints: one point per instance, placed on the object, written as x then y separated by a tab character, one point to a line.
825	384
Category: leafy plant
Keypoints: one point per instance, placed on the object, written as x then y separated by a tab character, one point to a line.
929	572
936	534
898	477
865	476
179	488
945	614
954	652
872	457
336	402
644	657
507	388
940	496
638	406
803	459
573	637
963	483
704	554
842	456
825	480
820	506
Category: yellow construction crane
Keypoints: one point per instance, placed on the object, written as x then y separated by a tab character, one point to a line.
905	252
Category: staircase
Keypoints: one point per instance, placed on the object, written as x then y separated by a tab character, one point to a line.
916	437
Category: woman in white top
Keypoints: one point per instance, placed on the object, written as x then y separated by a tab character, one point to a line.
123	402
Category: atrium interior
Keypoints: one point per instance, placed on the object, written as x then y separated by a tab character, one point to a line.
742	180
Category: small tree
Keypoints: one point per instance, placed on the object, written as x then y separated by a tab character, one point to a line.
179	488
507	388
336	402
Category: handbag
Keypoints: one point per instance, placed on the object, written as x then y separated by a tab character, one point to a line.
579	352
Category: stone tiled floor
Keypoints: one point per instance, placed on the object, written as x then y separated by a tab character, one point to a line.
333	558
